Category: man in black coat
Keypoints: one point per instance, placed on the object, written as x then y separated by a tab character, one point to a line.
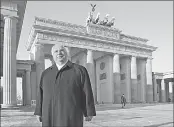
123	100
65	93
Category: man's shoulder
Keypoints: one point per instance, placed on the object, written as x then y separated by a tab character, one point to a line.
47	70
77	66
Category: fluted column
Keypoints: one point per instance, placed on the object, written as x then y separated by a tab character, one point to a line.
167	89
90	68
1	91
39	58
141	81
158	81
163	91
133	79
155	90
9	62
149	87
28	88
24	90
116	79
171	90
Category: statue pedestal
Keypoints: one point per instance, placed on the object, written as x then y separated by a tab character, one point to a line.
104	31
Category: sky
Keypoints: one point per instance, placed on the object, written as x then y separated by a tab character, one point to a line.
152	20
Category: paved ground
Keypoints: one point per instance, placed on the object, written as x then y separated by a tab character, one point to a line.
144	115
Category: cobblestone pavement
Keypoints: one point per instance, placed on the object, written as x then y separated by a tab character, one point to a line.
144	115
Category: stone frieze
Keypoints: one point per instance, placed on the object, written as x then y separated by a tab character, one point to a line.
108	47
93	31
103	31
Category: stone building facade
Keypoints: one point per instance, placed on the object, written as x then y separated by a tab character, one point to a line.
117	63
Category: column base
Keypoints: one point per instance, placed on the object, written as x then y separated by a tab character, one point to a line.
9	106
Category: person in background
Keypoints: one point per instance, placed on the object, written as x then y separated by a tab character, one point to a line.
123	101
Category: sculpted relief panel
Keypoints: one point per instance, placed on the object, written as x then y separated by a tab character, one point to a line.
94	45
103	31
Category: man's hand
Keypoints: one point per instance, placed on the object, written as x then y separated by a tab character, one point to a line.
88	118
39	118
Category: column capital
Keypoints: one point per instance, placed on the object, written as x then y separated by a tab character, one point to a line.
133	56
11	17
39	45
115	54
149	58
89	50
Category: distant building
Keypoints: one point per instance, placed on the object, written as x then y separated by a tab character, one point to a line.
163	87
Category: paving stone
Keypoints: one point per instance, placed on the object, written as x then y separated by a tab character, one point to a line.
107	115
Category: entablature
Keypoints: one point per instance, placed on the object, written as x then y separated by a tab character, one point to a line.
51	31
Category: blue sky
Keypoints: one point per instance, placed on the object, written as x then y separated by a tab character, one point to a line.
152	20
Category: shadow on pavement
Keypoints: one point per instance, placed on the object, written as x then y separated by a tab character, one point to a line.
157	125
27	108
16	115
119	106
100	107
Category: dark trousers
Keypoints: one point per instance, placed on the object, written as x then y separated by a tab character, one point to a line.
123	104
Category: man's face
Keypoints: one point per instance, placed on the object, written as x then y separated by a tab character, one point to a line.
59	54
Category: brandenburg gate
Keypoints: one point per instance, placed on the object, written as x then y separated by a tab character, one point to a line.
117	63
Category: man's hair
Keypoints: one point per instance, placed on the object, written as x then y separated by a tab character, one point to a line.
62	45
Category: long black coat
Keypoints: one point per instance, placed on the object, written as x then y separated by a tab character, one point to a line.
65	96
123	99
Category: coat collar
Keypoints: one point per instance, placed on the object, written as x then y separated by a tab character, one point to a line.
68	64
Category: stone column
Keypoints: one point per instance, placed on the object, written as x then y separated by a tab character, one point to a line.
90	68
24	89
116	79
33	85
149	87
141	79
125	77
159	89
28	88
163	91
155	91
39	58
1	92
9	62
167	89
171	91
133	79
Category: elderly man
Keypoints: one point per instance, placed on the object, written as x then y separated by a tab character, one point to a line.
65	93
